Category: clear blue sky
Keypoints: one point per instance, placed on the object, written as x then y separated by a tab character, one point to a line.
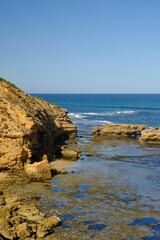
81	46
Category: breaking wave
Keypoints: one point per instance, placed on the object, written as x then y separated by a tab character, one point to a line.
86	114
107	122
76	116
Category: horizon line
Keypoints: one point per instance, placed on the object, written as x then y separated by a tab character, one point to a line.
98	93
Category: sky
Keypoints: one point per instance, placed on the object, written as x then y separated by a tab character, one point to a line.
81	46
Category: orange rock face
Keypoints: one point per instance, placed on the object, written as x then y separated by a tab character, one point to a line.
115	130
29	127
151	136
38	170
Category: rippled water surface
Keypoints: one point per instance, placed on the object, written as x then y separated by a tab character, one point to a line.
114	194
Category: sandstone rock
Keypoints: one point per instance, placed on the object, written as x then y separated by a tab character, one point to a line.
64	172
33	227
114	145
150	136
47	225
2	201
89	154
78	150
29	127
69	154
39	170
116	130
44	157
5	229
31	213
23	231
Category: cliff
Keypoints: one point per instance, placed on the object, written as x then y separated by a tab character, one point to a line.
30	127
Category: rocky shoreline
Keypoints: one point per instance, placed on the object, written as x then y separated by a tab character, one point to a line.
151	136
19	216
32	135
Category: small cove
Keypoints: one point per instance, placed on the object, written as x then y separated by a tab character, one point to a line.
113	194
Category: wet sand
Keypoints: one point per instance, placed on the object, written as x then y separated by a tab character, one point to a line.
62	164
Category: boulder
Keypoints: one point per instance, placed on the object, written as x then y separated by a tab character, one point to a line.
30	213
69	154
44	157
23	231
89	154
39	170
118	130
5	229
47	225
151	136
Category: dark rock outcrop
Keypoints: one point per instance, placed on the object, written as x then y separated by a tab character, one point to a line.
151	136
118	130
30	127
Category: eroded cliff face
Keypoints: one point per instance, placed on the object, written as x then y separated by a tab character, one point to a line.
29	127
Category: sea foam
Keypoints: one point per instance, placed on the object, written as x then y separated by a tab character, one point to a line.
86	114
76	116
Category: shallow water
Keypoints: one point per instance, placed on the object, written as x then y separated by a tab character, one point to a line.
115	194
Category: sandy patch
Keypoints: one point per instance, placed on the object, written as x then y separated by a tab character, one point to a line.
62	164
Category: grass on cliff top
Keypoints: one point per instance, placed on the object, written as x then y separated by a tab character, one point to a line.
9	83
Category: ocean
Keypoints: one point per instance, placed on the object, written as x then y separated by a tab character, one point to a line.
88	110
115	192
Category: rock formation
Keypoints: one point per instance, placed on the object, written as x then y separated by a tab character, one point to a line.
69	154
21	220
29	127
118	130
39	170
151	136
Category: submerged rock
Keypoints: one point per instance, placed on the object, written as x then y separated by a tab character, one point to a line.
151	136
30	127
89	154
116	130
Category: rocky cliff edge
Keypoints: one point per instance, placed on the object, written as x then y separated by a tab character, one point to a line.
30	127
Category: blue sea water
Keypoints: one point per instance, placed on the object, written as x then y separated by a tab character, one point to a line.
87	110
114	194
